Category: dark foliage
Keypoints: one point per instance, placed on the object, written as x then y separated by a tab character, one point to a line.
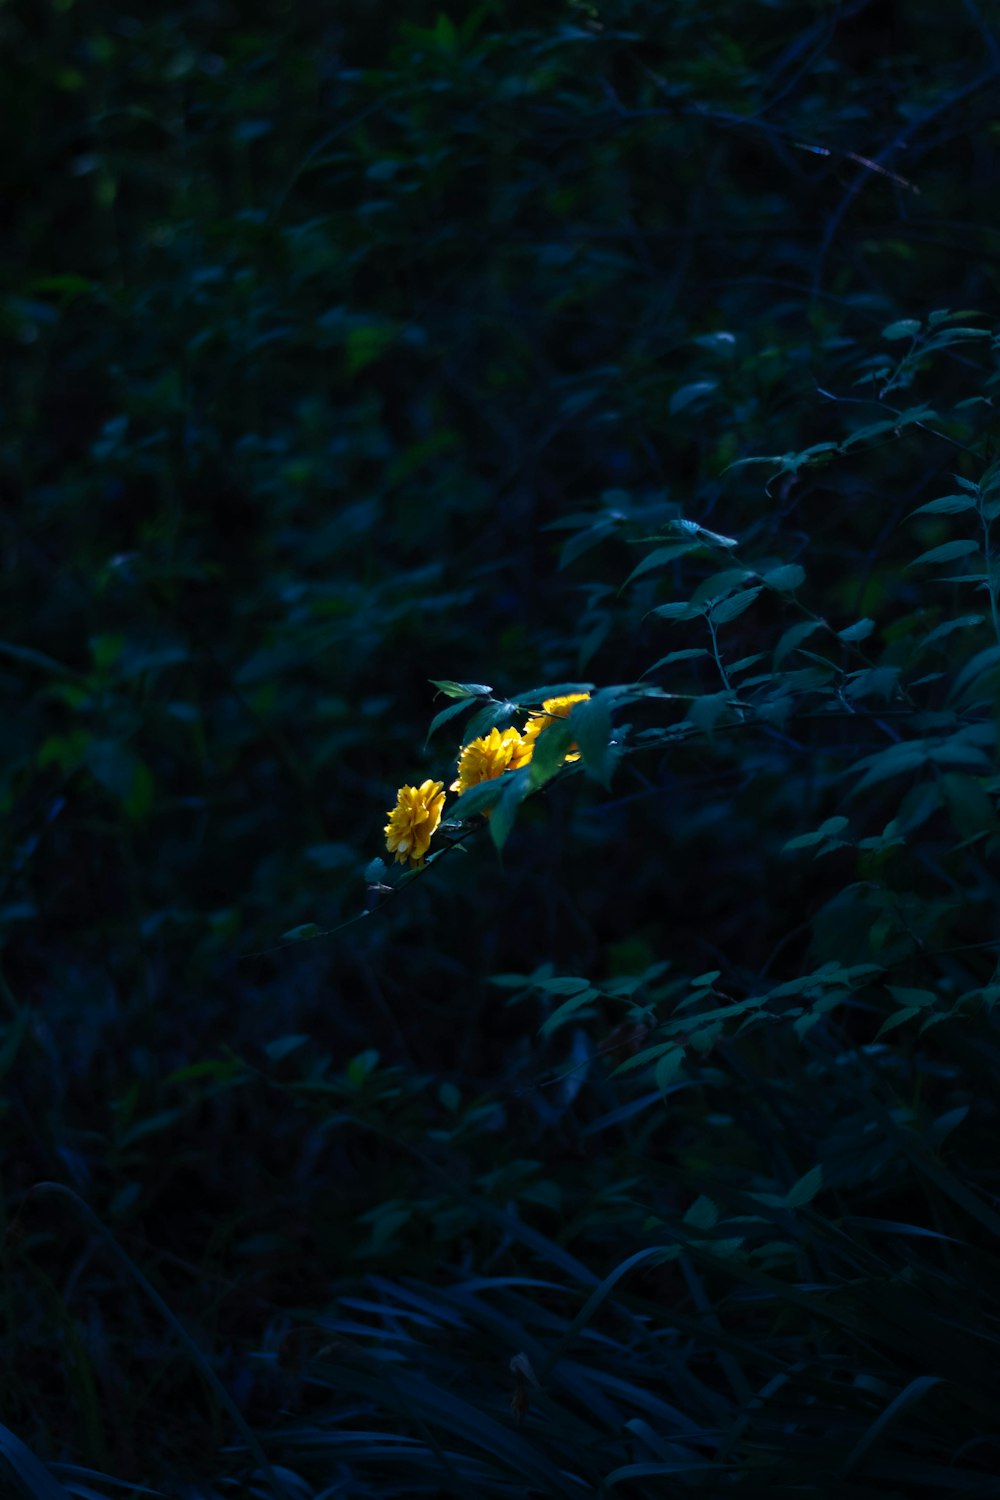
365	362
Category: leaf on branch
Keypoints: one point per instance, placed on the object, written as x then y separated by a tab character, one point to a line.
591	724
946	553
733	607
449	713
461	689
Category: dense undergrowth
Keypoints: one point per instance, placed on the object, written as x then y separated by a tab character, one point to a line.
369	364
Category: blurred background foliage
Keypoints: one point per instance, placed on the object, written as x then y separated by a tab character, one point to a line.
350	347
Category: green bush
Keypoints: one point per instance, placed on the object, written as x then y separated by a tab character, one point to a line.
373	377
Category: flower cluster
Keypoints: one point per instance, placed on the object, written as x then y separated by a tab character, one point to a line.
415	818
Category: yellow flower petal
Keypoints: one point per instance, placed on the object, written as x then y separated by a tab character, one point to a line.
413	821
490	756
552	709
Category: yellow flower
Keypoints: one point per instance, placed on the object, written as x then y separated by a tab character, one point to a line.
553	709
412	822
490	756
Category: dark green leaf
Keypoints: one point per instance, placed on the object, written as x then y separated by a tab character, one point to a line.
300	934
591	725
658	559
907	1397
449	713
945	553
538	695
785	579
793	637
678	611
550	751
731	608
502	819
904	328
30	1474
567	1010
478	799
686	394
947	505
493	716
859	631
805	1189
461	689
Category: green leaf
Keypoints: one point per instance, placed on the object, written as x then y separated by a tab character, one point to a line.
283	1045
686	394
32	1477
449	713
585	540
493	716
669	1068
874	682
962	622
300	934
793	637
365	345
785	579
958	750
461	689
561	984
859	631
651	1255
895	760
870	430
947	505
716	343
910	1394
504	814
898	1019
828	830
702	1214
915	999
550	751
971	808
123	774
567	1010
692	528
946	553
678	611
904	328
708	710
360	1066
68	285
29	657
106	650
805	1189
731	608
479	799
138	802
985	661
658	559
538	695
591	723
691	654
